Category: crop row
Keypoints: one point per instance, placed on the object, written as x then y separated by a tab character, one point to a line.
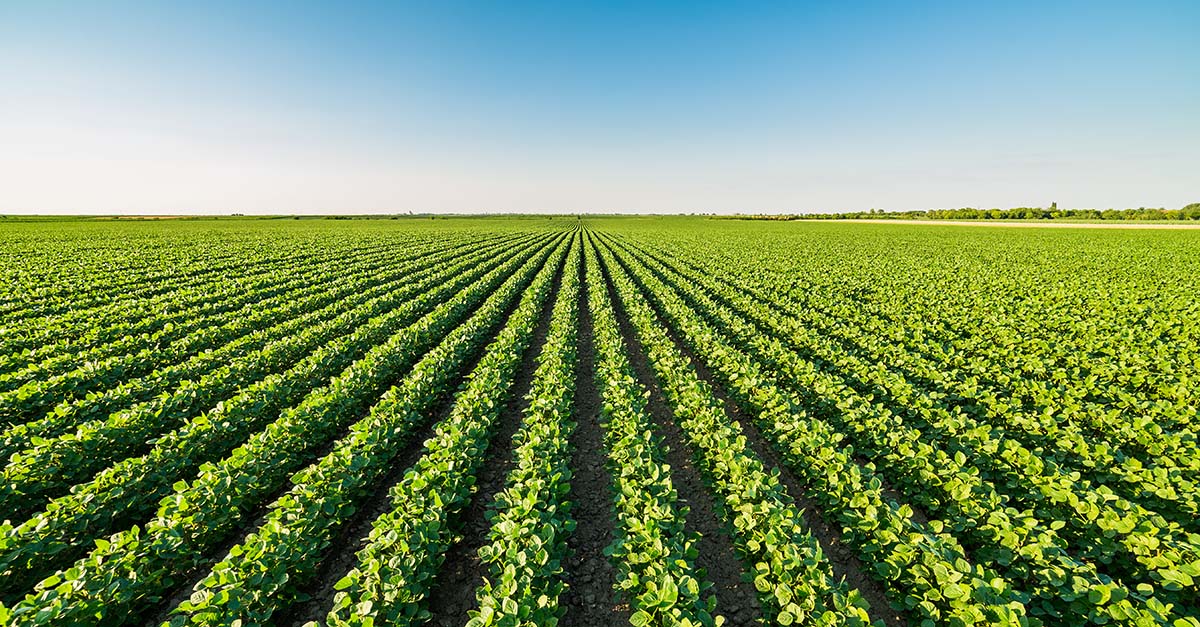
1108	446
63	371
95	297
77	331
1068	590
1092	522
267	324
126	490
794	580
1044	331
1096	385
927	573
531	517
161	362
654	555
57	352
50	466
188	520
261	573
406	545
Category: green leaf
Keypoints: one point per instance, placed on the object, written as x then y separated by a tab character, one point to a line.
1099	595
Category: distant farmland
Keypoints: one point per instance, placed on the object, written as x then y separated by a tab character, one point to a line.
597	421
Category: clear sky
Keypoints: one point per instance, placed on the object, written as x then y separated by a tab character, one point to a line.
294	107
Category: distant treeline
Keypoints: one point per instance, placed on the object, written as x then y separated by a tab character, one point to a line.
1190	212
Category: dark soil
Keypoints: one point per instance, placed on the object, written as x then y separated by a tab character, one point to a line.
342	554
844	563
737	599
863	387
828	533
161	611
919	514
590	599
452	594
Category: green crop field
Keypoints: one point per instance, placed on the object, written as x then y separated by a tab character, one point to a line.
597	421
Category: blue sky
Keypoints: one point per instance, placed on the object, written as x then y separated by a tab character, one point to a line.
293	107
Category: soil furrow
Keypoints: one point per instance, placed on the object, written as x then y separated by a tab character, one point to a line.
919	513
452	594
161	611
737	599
342	554
590	599
841	557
